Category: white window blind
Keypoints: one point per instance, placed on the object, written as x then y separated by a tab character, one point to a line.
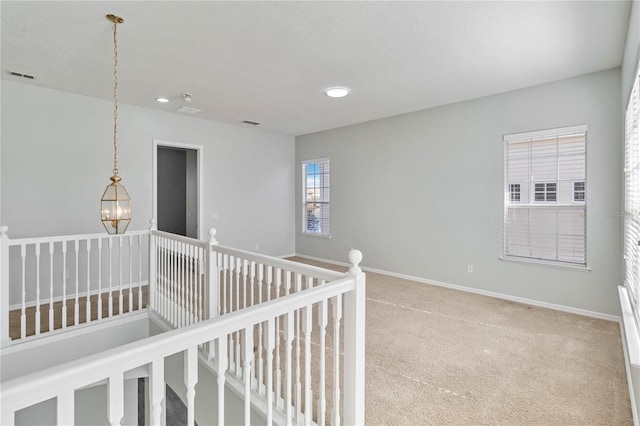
315	194
546	222
632	199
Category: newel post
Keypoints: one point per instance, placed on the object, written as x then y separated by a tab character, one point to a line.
153	278
4	286
213	276
354	343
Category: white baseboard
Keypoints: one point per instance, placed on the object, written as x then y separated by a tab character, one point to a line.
509	297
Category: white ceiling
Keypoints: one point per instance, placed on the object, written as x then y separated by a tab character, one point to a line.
271	62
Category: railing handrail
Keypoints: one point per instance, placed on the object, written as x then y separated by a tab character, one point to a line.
63	238
30	389
276	262
180	238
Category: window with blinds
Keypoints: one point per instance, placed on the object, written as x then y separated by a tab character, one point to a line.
632	198
315	194
545	218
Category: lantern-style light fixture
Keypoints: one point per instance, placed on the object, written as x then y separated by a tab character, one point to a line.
115	202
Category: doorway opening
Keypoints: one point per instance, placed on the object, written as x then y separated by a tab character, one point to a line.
177	194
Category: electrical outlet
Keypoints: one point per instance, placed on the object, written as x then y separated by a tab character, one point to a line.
470	269
257	247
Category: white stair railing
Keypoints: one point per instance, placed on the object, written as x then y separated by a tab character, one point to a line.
344	295
53	282
291	361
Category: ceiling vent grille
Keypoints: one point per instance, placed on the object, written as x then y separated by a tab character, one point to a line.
21	75
188	110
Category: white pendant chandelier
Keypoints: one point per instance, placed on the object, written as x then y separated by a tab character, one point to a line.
115	206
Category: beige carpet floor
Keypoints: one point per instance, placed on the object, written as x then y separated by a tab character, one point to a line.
441	356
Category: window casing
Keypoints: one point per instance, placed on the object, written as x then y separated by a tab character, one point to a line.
316	208
548	221
632	198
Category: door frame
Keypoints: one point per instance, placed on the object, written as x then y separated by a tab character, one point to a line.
199	190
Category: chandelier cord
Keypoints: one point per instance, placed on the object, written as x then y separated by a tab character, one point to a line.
115	99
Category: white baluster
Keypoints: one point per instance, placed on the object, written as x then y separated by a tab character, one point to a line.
183	283
269	342
87	312
307	326
110	299
154	270
65	408
173	282
288	340
298	405
51	312
23	309
76	306
64	284
150	294
190	380
116	399
248	355
152	254
221	368
198	283
245	271
212	280
269	281
237	334
260	359
253	281
37	320
322	323
99	278
130	273
165	279
120	297
190	289
337	315
287	283
225	266
277	325
157	392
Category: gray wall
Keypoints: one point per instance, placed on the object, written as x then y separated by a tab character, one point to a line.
421	194
57	156
631	52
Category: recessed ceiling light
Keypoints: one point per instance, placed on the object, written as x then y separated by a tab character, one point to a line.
337	92
162	100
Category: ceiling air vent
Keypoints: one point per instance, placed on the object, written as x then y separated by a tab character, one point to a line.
188	110
253	123
21	75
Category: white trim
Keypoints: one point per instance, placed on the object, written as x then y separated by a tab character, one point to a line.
552	263
631	347
154	179
546	132
526	301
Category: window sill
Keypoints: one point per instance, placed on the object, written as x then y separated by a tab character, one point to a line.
546	263
311	234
